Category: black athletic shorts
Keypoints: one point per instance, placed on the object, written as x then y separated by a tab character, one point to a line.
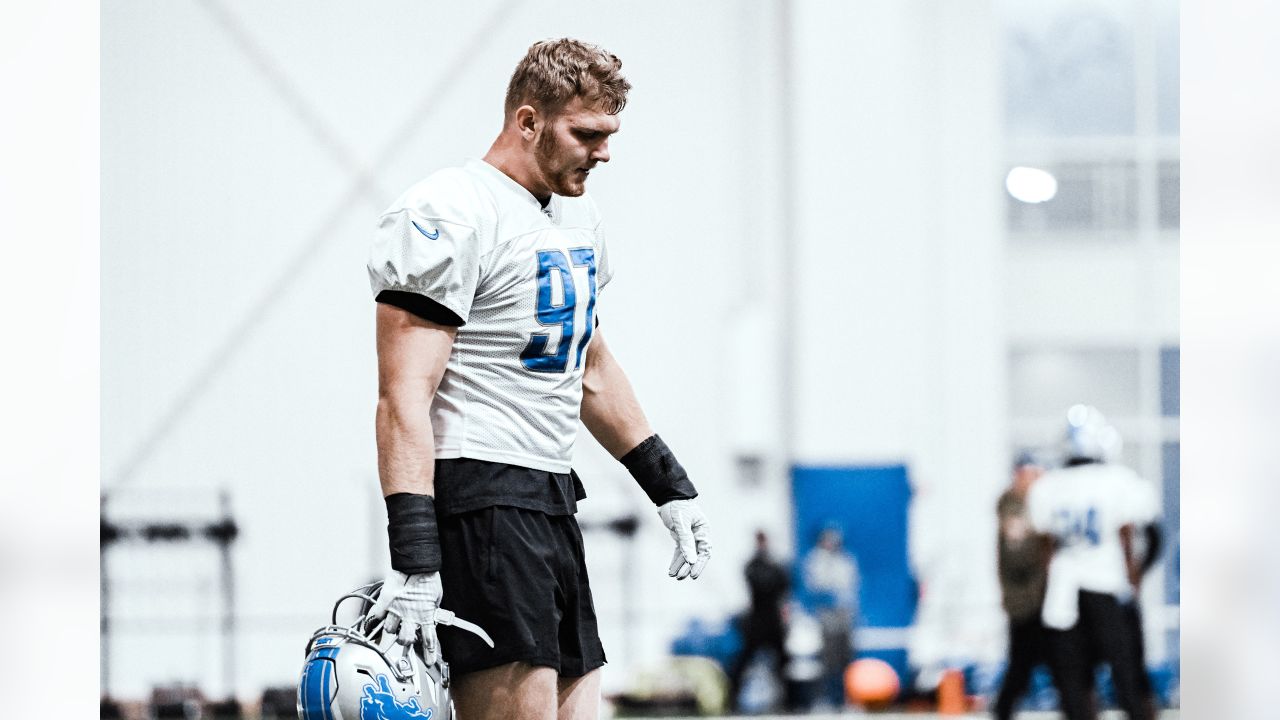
521	575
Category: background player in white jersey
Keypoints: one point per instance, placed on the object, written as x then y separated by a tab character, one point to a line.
486	278
1089	510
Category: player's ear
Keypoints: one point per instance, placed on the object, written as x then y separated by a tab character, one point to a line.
527	121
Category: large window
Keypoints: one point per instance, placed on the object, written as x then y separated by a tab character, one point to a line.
1170	378
1092	190
1069	68
1090	69
1091	99
1092	200
1169	188
1045	381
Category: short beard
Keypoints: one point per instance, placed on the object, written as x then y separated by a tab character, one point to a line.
561	181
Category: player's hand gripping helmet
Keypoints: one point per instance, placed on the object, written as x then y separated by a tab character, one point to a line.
1090	436
358	672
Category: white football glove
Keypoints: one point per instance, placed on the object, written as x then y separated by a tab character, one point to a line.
689	528
409	604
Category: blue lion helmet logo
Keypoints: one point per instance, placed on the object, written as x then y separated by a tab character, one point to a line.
379	703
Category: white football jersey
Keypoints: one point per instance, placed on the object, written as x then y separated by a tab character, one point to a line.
525	281
1084	507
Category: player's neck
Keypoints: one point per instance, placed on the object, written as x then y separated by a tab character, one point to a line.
516	164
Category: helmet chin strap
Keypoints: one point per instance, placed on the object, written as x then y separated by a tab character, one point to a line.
403	666
447	617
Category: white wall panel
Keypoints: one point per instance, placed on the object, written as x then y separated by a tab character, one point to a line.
900	238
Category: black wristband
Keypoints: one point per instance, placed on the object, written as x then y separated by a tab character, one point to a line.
411	528
653	465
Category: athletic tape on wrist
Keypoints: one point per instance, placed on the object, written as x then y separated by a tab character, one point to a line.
660	475
411	528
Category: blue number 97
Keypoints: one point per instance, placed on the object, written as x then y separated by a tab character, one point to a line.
553	262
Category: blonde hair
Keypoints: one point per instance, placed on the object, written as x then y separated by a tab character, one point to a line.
553	72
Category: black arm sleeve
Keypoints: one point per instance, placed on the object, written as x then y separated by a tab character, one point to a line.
422	306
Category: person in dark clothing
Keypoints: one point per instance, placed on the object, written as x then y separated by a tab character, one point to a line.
1146	542
762	624
1021	562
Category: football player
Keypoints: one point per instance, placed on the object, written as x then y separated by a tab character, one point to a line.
1088	510
487	278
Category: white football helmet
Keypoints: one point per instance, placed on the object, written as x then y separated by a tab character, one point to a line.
1090	436
358	672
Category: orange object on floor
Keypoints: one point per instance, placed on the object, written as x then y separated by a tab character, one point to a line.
871	683
951	697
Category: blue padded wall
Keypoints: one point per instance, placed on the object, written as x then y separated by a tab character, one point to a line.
869	504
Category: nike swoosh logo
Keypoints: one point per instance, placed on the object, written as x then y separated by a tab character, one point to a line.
430	235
